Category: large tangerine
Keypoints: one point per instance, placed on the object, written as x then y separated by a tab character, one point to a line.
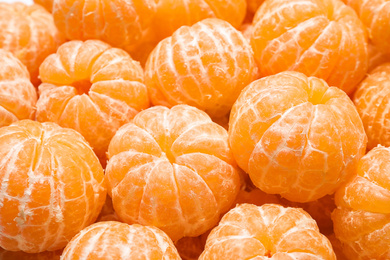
296	136
93	88
28	31
51	186
322	38
173	169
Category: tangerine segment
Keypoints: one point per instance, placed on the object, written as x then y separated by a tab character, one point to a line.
376	57
173	169
17	95
372	100
296	136
52	186
88	82
270	231
28	31
362	219
117	22
172	14
206	66
322	38
115	240
48	4
375	15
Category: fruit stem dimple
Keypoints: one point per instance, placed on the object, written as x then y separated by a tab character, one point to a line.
82	86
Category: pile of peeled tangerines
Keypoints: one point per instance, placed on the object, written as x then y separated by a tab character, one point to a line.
195	129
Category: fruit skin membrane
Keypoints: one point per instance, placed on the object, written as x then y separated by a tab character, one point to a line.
205	65
52	186
295	136
173	169
265	232
321	38
120	241
362	218
17	94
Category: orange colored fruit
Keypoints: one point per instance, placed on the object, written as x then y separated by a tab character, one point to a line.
322	38
295	136
19	255
372	100
48	4
107	213
120	241
172	14
337	247
270	231
173	169
205	65
362	218
52	186
190	248
376	57
252	6
375	15
28	31
17	95
93	88
116	22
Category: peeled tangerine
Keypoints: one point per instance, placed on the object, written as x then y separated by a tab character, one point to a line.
296	136
205	65
28	31
269	232
375	15
321	38
17	94
362	218
372	100
93	88
173	169
51	186
120	241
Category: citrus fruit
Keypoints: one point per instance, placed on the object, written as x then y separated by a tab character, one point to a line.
173	169
116	22
93	88
190	248
376	57
17	95
52	186
270	231
120	241
362	217
48	4
295	136
107	213
172	14
372	100
205	65
322	38
252	6
28	31
375	15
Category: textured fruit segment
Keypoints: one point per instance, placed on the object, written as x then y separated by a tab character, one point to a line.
318	38
206	66
52	186
268	231
172	168
296	136
110	239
